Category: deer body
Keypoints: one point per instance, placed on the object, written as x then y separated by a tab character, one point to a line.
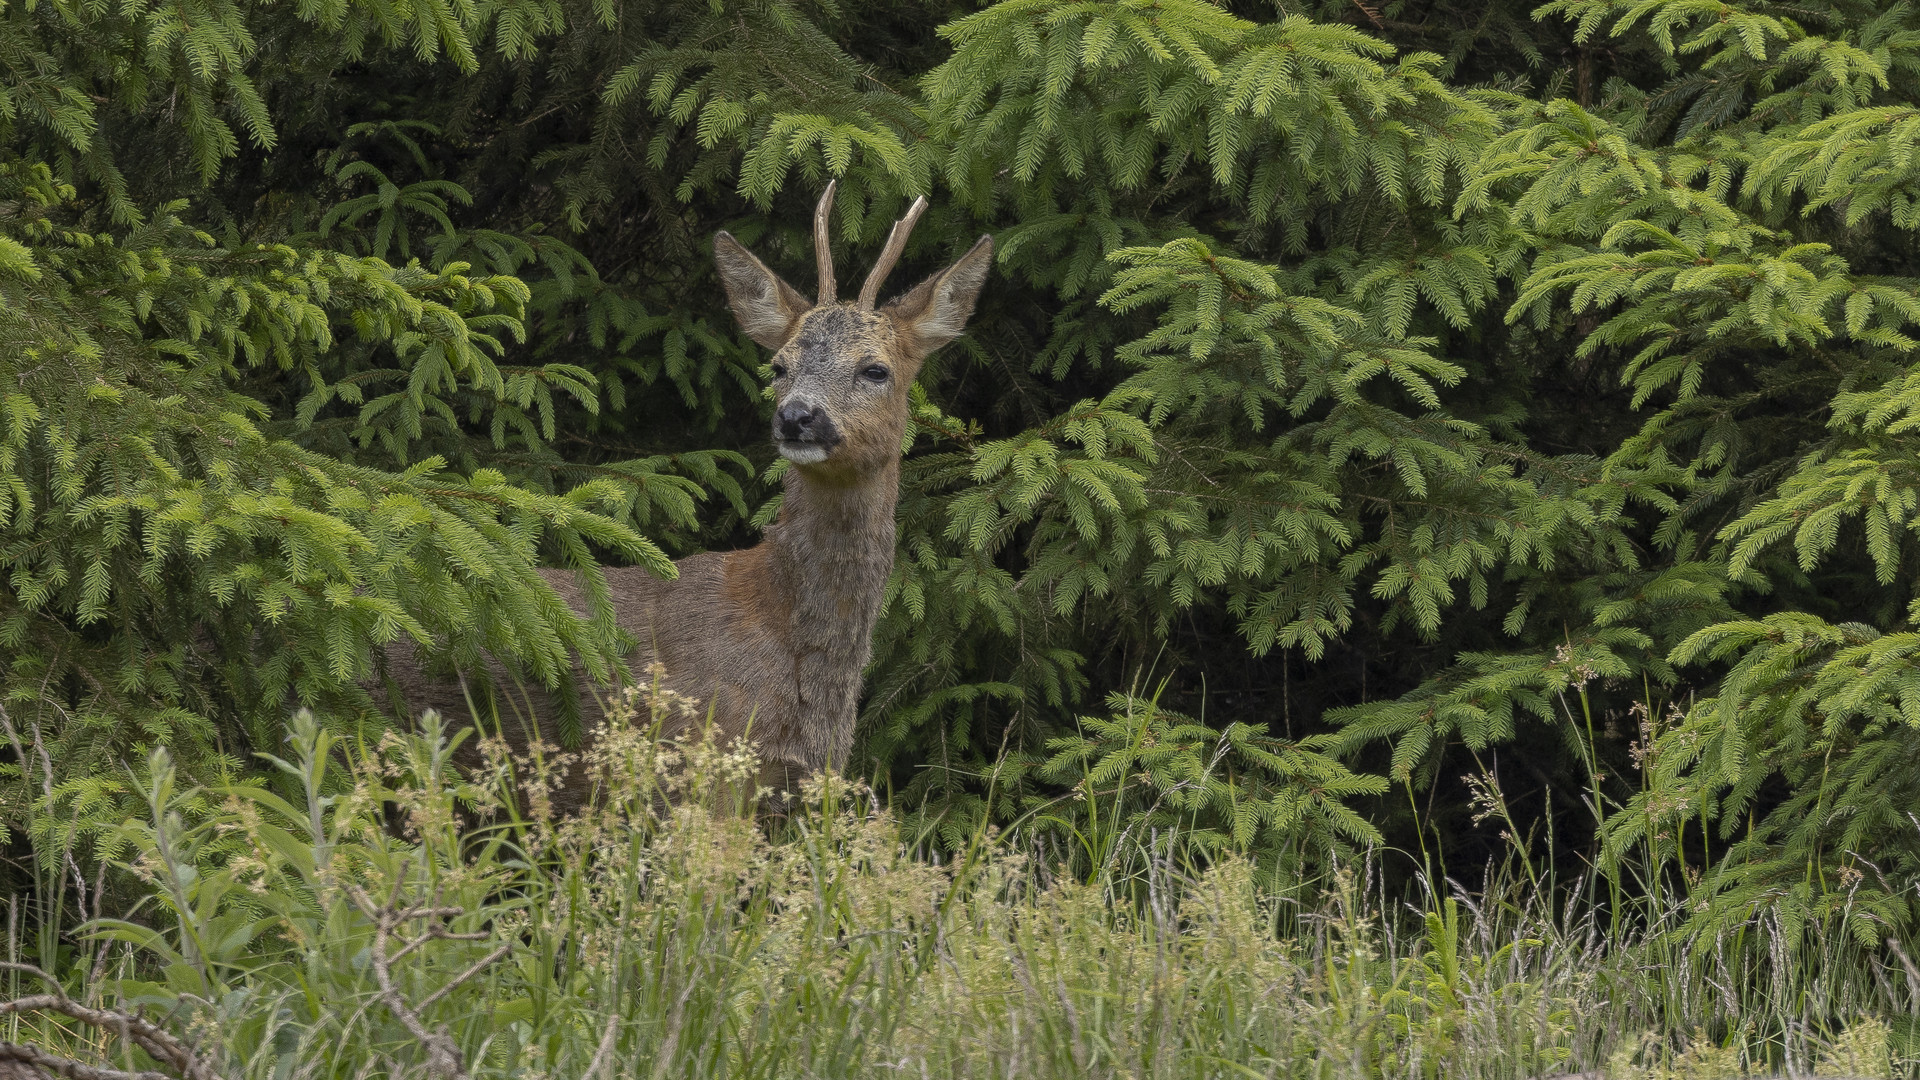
774	638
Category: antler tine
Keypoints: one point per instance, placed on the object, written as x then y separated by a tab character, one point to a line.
896	243
822	249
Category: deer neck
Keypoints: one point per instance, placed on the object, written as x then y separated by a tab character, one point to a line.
835	543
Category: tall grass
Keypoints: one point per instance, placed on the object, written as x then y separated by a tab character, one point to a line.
375	913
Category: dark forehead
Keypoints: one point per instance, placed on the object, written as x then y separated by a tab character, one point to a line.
839	331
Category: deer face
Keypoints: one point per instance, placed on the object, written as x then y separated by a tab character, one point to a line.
840	388
841	371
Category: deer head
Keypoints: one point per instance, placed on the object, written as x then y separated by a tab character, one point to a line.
841	370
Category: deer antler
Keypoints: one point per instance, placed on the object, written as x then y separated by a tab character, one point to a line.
896	243
822	250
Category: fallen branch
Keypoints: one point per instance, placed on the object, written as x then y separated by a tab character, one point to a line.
35	1062
159	1043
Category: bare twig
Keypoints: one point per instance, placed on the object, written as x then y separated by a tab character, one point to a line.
436	932
443	1054
39	1063
478	966
159	1043
31	969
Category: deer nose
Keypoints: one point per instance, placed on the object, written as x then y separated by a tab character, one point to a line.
797	420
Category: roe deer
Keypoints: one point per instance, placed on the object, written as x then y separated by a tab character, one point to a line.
777	635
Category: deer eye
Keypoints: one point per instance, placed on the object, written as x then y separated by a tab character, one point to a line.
876	373
779	371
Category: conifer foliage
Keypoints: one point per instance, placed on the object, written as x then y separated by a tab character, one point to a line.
1406	387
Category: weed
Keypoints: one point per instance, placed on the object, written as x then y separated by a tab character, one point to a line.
378	914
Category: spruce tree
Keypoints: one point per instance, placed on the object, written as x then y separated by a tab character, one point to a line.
1392	391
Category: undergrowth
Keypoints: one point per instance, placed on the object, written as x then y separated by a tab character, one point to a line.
379	912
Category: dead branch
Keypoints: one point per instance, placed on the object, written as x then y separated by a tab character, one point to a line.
156	1041
443	1054
478	966
159	1043
26	1060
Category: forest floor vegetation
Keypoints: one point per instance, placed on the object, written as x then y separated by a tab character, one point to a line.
373	912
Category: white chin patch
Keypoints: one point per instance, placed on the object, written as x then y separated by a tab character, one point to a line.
803	453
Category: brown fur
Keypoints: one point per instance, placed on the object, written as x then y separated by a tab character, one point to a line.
775	636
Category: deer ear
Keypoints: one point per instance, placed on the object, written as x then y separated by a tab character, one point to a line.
937	309
768	309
